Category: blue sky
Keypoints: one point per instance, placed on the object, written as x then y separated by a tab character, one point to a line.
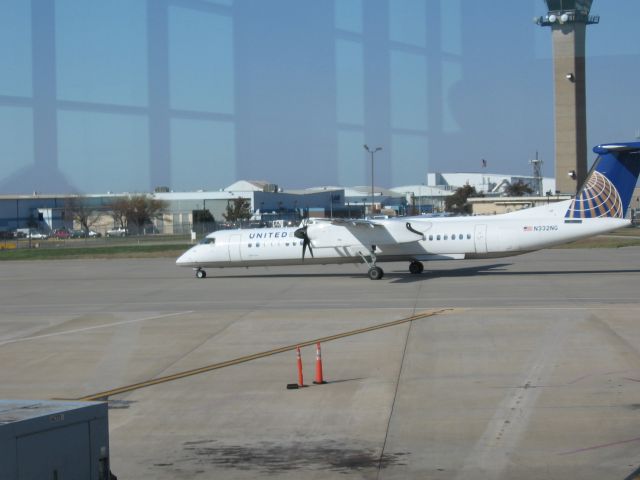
127	95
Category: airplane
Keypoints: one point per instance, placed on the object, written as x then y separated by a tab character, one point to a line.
599	207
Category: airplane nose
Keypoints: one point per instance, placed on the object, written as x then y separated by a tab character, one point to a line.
184	258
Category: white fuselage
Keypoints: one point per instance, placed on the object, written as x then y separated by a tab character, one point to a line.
430	239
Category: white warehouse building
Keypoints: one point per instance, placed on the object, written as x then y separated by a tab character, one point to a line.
488	183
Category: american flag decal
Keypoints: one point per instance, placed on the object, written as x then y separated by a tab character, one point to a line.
528	229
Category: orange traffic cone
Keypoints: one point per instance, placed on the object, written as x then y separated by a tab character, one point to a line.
299	357
319	380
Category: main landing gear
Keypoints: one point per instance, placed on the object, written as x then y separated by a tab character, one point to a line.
375	272
416	267
200	273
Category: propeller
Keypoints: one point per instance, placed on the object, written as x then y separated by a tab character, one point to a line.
301	233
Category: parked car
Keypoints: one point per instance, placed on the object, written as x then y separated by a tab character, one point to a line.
117	232
83	234
61	234
37	236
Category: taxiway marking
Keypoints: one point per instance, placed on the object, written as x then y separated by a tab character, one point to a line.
95	327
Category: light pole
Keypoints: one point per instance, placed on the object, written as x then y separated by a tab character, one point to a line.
372	152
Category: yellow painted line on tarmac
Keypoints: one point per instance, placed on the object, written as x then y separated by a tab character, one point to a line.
196	371
634	476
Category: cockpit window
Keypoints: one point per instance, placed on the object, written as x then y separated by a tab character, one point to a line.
208	241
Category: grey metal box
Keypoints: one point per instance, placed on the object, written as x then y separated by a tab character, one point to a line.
45	439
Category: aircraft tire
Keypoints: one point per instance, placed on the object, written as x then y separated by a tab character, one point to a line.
375	273
201	274
416	267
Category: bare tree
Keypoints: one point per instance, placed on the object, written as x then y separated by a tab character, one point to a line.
119	208
136	211
81	210
143	210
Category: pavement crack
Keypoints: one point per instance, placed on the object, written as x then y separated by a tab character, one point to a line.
393	403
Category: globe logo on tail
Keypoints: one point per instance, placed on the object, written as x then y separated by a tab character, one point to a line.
598	198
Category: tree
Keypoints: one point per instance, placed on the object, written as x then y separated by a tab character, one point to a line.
203	221
119	208
136	211
457	203
238	209
143	209
80	210
518	189
203	216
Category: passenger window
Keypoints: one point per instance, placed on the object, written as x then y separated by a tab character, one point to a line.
438	237
468	236
460	237
453	237
430	238
446	237
257	244
250	245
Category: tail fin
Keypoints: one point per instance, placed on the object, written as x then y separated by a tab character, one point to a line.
608	189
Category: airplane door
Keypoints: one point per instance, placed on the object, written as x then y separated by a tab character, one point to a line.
234	248
481	238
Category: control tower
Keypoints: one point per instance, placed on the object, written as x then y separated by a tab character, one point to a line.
568	20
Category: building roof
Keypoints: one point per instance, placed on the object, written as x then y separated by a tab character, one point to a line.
247	186
423	190
215	195
365	190
484	182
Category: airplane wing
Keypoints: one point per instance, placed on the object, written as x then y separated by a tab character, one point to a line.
343	232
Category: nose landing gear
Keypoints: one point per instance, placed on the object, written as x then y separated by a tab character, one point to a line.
200	273
375	272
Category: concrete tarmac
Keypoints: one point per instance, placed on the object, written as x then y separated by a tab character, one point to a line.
534	374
